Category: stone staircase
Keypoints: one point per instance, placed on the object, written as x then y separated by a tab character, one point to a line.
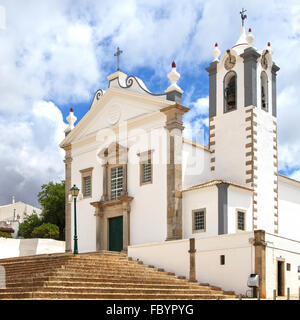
102	275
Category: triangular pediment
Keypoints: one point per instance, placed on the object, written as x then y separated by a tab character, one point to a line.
112	109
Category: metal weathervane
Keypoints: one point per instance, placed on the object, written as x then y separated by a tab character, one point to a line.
243	16
117	54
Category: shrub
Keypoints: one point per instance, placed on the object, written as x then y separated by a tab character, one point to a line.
46	230
52	201
5	235
26	227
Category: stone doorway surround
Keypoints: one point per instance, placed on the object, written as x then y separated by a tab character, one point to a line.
112	156
104	210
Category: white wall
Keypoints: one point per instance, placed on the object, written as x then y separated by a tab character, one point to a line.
266	172
173	256
148	216
207	198
204	198
288	208
8	212
86	221
25	247
195	165
230	133
289	250
148	219
239	199
239	261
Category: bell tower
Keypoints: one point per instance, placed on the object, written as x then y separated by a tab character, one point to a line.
243	123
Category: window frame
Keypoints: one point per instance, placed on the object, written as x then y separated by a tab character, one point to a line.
237	220
225	110
145	157
194	230
110	181
85	173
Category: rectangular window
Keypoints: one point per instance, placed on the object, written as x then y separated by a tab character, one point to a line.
199	220
145	167
87	186
222	259
241	220
116	182
147	172
288	267
86	182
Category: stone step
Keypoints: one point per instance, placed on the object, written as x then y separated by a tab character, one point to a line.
105	290
107	269
17	261
112	279
68	266
123	274
75	261
104	280
96	273
93	264
106	263
170	285
101	275
104	284
64	257
118	296
93	275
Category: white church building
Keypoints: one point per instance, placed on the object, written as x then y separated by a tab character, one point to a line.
215	213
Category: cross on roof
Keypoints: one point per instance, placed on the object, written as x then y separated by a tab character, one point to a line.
117	54
243	16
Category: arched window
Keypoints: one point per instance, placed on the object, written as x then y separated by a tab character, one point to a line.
230	91
264	91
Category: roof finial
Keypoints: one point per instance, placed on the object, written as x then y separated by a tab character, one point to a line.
174	76
71	118
216	52
243	16
117	54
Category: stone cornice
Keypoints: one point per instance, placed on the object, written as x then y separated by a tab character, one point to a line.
178	107
212	69
275	68
250	54
66	147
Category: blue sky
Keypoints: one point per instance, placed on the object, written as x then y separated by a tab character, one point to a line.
54	54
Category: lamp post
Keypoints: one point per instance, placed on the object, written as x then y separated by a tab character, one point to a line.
74	191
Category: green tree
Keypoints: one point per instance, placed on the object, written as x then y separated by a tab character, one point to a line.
46	230
52	200
5	235
29	223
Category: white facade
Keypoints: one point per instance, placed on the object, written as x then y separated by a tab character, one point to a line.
222	195
239	253
287	251
174	257
17	211
289	207
11	215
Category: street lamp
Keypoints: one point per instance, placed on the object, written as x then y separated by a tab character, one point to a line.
74	191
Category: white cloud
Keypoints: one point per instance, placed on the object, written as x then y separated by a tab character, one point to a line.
196	121
62	51
30	155
296	175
